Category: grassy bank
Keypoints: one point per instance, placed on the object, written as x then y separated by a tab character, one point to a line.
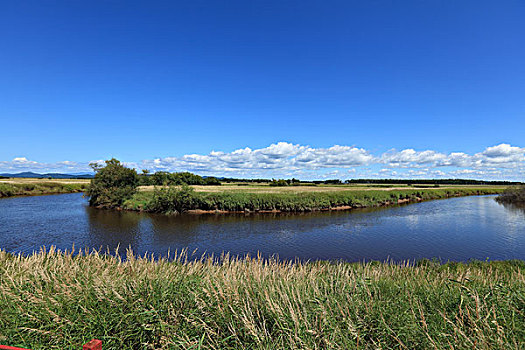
9	189
53	300
167	200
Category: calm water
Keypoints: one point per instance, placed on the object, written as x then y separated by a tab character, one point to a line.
452	229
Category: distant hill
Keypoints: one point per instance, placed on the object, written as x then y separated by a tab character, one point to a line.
29	174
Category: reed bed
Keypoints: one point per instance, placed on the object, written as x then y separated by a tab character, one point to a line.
59	300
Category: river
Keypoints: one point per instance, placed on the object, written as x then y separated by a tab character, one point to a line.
456	229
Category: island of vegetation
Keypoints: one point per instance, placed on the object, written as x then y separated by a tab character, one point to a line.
115	186
58	300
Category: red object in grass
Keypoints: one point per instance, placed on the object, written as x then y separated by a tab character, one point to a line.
95	344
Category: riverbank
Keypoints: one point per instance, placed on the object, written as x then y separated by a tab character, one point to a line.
172	200
35	188
52	300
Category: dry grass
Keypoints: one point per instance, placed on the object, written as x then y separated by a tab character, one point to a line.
52	300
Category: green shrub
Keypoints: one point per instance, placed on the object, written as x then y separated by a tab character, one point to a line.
173	200
112	185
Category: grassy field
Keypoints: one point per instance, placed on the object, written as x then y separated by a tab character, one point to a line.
30	187
290	199
265	188
52	300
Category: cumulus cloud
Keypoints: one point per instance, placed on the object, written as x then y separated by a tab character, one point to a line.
283	156
503	155
285	159
21	164
411	158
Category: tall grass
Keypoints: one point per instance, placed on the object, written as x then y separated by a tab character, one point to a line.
169	200
55	300
29	189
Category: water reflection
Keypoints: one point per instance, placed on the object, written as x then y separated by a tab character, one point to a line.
110	229
518	209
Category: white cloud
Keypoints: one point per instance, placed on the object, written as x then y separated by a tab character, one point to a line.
21	164
284	159
412	158
502	155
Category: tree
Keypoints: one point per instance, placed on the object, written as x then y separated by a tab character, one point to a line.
210	180
161	178
280	182
145	178
186	178
112	184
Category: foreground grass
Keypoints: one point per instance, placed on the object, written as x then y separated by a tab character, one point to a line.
52	300
9	189
168	201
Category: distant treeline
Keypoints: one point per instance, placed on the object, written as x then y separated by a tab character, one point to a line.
164	178
430	182
285	182
31	175
233	179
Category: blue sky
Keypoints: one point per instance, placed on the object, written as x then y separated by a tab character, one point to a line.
153	82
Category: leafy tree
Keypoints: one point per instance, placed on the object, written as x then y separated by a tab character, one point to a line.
161	178
280	182
212	181
186	178
112	184
333	182
145	178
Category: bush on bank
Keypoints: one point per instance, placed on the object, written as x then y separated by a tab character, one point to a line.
515	195
172	200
